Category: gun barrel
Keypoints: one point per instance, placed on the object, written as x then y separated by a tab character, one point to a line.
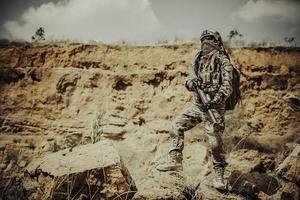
212	116
205	100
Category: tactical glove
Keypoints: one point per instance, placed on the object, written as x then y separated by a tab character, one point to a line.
214	102
192	84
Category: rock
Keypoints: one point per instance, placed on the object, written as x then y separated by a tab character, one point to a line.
276	82
22	163
161	126
252	183
290	192
266	164
73	139
138	121
114	121
293	102
164	185
289	169
92	170
9	75
2	146
113	132
244	160
67	80
35	74
121	84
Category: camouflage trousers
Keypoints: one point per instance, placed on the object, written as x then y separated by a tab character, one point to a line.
189	119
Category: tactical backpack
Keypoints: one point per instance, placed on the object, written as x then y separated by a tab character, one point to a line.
235	96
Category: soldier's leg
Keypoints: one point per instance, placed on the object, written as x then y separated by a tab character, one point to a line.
214	133
185	121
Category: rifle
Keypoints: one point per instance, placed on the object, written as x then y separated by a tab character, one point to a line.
205	98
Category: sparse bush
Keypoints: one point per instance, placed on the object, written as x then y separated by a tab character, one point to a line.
4	41
39	35
236	36
97	127
290	40
234	33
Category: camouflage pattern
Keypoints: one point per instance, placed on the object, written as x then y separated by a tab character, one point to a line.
210	68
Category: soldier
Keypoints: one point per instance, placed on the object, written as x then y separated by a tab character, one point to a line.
212	72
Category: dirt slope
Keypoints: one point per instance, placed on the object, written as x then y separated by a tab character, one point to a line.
51	93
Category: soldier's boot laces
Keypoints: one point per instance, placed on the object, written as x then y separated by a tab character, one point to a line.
218	181
172	163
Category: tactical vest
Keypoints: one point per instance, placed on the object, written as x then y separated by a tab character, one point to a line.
210	73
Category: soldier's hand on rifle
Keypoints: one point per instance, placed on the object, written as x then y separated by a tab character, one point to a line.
192	85
214	102
209	105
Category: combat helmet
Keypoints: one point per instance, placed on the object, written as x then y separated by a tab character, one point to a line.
215	34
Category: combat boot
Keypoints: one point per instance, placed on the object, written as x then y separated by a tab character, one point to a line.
218	181
172	163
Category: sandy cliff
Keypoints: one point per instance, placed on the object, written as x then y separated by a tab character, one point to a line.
51	93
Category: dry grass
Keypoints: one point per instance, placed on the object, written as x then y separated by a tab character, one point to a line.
97	127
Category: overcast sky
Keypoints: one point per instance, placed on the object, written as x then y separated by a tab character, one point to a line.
147	21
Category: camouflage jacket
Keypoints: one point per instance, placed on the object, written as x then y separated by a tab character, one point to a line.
215	73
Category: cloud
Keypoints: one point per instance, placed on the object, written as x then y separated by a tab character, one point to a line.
287	10
100	20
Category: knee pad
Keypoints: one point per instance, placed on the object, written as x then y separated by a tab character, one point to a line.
213	130
213	142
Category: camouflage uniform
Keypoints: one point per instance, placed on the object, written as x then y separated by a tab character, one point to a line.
210	70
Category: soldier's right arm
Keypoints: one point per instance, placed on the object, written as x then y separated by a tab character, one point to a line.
192	74
191	77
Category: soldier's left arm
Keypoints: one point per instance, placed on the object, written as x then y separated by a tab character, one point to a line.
226	75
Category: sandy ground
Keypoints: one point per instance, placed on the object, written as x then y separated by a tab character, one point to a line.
50	95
